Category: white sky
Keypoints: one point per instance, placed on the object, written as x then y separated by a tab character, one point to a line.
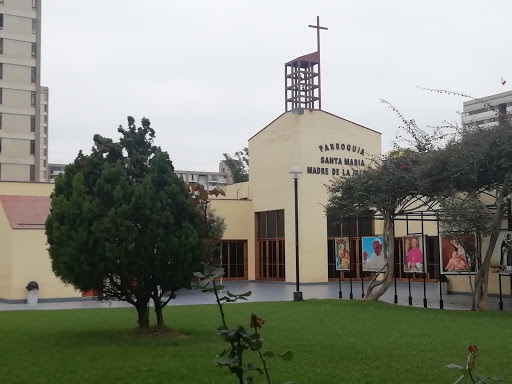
209	74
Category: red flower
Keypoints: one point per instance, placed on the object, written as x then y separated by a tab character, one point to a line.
473	348
256	322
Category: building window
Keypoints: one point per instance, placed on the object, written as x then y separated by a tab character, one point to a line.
270	243
44	163
1	70
45	108
45	119
1	45
34	50
1	95
34	25
1	118
0	145
32	99
32	147
33	74
34	4
32	173
44	152
45	129
45	97
32	123
1	20
234	259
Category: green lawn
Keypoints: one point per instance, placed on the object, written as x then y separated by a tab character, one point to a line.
333	342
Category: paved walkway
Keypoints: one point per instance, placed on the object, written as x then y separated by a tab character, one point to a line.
277	291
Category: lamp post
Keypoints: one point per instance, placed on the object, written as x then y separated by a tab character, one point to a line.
295	173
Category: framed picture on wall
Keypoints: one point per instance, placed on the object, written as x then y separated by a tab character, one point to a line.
455	253
342	254
414	261
374	257
501	260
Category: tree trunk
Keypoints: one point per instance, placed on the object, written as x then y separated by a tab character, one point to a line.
389	244
143	314
482	277
159	314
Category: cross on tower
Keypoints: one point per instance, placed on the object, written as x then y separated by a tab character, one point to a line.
318	28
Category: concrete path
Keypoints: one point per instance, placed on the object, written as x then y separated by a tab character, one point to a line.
278	291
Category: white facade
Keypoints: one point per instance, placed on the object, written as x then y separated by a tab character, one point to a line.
487	111
23	104
209	180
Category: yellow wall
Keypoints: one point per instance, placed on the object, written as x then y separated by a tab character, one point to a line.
239	219
294	140
31	262
25	188
23	252
5	256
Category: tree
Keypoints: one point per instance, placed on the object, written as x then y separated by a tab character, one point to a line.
474	176
388	187
238	165
122	223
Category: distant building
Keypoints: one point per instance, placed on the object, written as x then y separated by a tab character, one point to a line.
23	102
209	180
55	170
223	168
487	111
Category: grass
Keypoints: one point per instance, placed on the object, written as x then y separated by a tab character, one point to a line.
333	342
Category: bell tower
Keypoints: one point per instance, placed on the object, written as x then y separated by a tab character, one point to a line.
303	87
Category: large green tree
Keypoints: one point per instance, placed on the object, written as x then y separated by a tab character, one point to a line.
238	165
388	188
122	223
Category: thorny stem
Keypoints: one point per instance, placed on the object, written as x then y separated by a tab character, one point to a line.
471	376
263	360
223	317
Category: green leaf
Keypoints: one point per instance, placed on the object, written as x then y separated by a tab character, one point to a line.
458	380
254	367
219	287
269	355
246	294
454	366
217	273
231	294
286	356
198	274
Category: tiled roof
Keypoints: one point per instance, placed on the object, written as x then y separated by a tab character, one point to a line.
26	212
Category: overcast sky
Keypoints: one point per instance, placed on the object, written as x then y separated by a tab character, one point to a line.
209	74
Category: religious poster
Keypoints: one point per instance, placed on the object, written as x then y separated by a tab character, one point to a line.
342	255
374	258
413	254
501	260
455	253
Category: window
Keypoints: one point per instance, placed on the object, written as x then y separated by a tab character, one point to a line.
1	70
1	93
45	118
44	163
1	45
32	123
32	173
1	120
34	4
44	151
34	25
45	107
270	245
32	147
233	259
33	74
0	145
34	50
1	20
32	99
45	130
45	97
1	2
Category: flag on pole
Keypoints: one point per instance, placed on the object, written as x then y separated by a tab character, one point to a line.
503	81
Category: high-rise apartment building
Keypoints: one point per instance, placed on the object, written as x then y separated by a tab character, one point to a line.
487	111
23	102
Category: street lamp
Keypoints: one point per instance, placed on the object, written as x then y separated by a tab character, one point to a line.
295	173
